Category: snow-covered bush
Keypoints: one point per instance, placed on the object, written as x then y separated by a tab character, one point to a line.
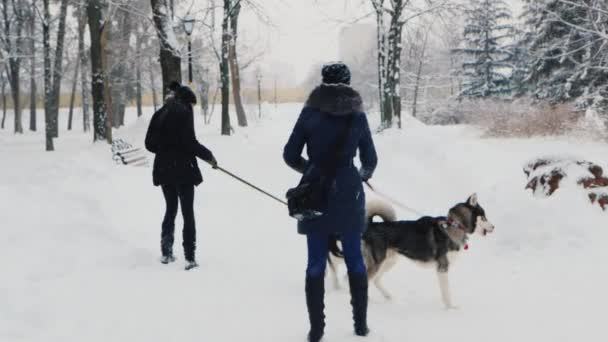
501	118
548	175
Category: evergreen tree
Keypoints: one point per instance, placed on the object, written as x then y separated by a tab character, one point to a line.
487	60
567	52
520	57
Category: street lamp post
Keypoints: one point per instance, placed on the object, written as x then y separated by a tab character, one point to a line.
259	94
188	22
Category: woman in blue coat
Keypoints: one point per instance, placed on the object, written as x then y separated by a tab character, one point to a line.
329	110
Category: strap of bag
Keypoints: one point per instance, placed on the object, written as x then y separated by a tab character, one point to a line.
330	165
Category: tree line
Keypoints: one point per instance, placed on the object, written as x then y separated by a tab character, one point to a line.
114	51
559	54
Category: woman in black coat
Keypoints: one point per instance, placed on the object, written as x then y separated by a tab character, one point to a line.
171	137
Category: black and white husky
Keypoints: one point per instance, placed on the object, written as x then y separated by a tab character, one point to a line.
432	241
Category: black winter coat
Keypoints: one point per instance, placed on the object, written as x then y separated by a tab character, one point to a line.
171	137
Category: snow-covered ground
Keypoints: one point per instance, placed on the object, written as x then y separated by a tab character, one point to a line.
79	244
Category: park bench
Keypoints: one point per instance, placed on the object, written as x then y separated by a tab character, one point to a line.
124	153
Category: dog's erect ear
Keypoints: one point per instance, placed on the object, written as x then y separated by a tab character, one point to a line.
473	200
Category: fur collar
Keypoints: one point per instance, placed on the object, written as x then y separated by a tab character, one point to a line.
335	99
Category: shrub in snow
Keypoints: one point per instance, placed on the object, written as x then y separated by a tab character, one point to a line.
547	175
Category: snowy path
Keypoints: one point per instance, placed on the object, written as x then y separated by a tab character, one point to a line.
79	247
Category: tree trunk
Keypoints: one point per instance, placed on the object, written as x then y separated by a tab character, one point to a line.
391	74
381	37
118	78
106	33
15	81
422	56
58	68
46	42
224	69
204	93
3	97
96	27
138	95
416	89
396	72
73	94
153	86
82	54
170	61
234	67
33	90
14	51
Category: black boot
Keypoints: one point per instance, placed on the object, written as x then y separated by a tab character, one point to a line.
358	295
166	247
315	291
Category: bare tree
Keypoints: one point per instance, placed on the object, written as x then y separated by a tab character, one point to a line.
378	6
3	86
138	88
234	66
418	53
14	16
73	94
46	42
58	68
170	60
84	62
102	128
224	68
31	18
390	47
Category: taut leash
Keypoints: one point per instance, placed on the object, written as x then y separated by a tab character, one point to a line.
392	200
250	185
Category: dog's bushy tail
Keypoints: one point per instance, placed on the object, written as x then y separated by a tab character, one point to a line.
380	208
373	208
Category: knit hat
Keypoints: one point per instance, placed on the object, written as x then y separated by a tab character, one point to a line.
182	92
173	86
335	72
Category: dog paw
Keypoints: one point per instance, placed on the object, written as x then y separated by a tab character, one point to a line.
452	307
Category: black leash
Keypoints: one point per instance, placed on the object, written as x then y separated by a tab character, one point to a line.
250	185
392	200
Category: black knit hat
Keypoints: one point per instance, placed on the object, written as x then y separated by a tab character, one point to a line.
182	92
173	86
336	72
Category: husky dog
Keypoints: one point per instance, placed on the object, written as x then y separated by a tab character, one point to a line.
432	241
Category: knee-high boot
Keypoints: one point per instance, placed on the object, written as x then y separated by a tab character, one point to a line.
358	294
315	292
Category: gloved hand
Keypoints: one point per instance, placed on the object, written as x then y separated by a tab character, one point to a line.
365	175
213	163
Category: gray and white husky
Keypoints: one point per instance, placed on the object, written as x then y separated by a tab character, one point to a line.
432	241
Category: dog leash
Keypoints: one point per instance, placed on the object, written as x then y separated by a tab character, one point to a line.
392	200
249	184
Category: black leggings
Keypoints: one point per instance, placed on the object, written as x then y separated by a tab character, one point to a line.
185	193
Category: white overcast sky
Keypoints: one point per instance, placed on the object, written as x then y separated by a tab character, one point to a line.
306	31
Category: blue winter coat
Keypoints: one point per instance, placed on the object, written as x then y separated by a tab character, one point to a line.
320	123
